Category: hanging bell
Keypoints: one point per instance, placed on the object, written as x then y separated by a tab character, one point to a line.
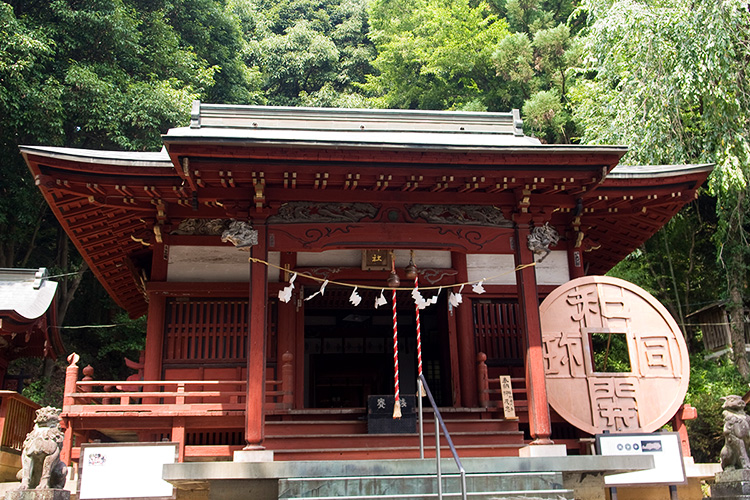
393	281
411	269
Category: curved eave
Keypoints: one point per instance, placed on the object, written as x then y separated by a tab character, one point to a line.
23	302
649	172
85	219
632	204
98	158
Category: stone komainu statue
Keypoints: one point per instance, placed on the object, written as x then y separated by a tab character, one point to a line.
42	468
734	454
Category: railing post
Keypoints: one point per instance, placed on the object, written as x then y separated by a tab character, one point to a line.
71	378
88	376
180	400
685	412
287	380
483	380
108	400
178	436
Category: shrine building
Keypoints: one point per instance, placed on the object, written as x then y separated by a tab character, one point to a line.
261	242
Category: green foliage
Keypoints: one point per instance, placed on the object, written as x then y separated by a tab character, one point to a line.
545	115
434	54
669	78
611	353
301	59
678	265
709	381
104	347
43	393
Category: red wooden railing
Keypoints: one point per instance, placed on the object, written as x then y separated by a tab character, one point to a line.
165	395
169	400
490	394
17	415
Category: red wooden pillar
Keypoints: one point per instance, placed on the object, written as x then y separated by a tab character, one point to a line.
256	355
528	298
152	356
467	395
287	330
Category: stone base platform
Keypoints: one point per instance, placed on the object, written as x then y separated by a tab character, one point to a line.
732	484
47	494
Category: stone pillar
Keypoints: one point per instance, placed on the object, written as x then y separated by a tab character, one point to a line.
528	298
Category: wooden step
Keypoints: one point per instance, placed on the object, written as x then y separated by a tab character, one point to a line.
319	441
393	453
302	427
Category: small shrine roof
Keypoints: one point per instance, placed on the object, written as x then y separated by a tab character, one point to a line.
27	307
26	292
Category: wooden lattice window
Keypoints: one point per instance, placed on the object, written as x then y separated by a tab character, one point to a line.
497	331
206	331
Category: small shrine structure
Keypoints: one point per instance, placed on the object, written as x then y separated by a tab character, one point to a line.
28	328
259	242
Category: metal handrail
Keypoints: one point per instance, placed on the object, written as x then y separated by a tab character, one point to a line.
439	419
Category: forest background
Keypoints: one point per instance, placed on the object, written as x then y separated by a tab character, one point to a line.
669	78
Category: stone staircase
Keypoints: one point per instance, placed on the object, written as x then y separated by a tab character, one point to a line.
300	437
538	485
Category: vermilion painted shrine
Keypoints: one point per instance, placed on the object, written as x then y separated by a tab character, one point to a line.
330	194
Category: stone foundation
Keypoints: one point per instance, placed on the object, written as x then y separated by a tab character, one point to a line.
41	494
732	484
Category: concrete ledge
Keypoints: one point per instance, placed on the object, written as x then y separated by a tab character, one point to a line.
187	474
253	456
546	450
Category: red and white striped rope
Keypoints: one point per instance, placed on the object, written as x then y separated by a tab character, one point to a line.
395	346
419	331
397	403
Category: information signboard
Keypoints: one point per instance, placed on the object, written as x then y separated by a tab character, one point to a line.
125	470
663	446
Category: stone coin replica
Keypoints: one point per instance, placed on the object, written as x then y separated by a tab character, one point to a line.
608	315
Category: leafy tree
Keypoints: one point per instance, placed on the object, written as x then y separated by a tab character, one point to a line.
671	80
434	54
678	265
81	73
709	381
300	60
310	52
537	68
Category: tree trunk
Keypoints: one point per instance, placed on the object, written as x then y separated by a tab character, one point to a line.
737	327
736	275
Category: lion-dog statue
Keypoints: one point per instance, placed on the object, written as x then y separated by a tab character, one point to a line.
734	454
42	468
